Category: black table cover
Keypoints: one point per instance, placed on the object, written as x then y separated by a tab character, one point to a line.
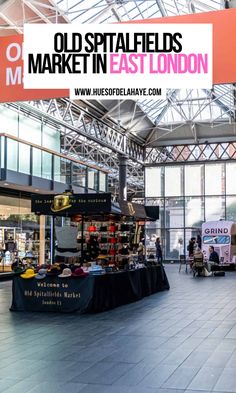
88	294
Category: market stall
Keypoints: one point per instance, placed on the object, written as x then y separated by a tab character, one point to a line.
100	242
89	294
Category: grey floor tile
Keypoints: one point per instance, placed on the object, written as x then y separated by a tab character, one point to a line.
197	358
158	376
205	379
135	375
155	345
181	378
227	381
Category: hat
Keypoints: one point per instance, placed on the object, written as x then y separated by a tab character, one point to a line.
41	274
79	273
29	273
97	270
65	273
101	256
18	270
53	271
61	202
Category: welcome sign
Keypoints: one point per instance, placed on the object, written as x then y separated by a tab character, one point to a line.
119	60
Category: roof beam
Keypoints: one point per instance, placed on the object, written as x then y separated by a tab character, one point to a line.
161	8
225	108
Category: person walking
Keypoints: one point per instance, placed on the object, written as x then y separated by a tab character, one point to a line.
158	250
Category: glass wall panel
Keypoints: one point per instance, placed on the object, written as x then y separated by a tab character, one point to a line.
174	243
194	211
65	171
12	155
102	181
46	165
214	179
174	213
153	182
51	138
79	175
2	139
37	162
230	178
30	130
92	178
8	121
173	181
24	158
194	180
57	168
215	208
231	208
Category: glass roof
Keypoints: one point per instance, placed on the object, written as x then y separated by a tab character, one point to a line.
108	11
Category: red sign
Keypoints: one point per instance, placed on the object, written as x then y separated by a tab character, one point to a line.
11	74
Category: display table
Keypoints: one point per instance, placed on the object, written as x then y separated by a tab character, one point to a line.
90	294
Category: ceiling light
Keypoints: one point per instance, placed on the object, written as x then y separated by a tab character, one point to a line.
6	184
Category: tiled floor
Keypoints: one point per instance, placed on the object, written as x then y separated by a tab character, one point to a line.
179	341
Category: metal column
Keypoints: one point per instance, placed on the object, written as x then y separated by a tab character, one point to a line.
122	177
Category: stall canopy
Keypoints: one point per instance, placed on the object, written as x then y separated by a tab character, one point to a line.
138	211
69	204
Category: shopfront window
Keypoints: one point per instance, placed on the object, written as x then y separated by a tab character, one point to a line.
19	232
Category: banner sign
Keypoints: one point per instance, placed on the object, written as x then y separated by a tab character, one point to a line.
52	294
118	60
224	47
11	74
118	66
88	294
69	205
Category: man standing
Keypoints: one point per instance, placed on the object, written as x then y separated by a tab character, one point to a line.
158	250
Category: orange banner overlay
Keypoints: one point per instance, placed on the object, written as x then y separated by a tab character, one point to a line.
224	44
224	56
11	74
